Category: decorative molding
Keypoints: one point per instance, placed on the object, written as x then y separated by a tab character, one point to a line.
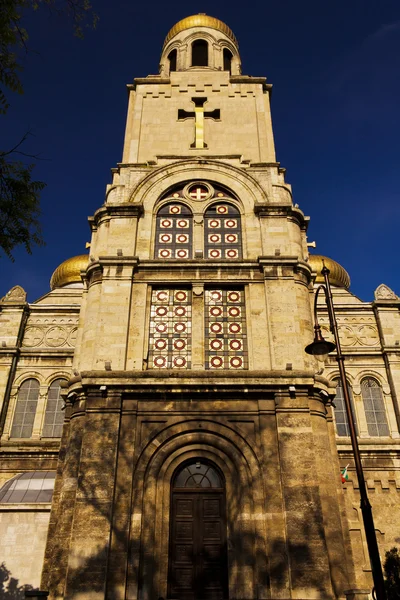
16	294
383	292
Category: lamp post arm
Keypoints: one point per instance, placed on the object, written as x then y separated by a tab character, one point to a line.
365	505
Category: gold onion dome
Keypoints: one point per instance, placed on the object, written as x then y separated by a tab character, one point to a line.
69	271
338	276
200	20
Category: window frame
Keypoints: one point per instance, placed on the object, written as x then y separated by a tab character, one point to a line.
18	402
375	424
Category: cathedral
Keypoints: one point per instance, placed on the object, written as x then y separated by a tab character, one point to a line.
164	434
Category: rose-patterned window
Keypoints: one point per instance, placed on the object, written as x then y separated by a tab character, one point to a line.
174	232
222	232
25	410
225	329
170	343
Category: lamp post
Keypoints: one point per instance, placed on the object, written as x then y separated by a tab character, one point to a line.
321	347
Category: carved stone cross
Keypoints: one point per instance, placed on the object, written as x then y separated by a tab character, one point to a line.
199	115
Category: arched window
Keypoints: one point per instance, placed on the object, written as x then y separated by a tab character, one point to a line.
374	407
174	232
172	60
54	418
342	424
197	474
222	232
227	60
200	53
25	410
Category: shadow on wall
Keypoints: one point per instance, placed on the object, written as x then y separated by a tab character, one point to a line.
9	586
96	494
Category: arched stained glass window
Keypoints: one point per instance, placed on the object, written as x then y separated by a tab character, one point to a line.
54	418
25	409
198	474
374	407
174	232
342	423
223	237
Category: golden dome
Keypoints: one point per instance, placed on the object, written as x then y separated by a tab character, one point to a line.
338	276
69	271
200	20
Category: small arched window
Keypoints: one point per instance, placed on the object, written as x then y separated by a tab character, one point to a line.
25	409
200	53
374	407
227	60
54	417
223	238
342	423
198	474
174	232
172	56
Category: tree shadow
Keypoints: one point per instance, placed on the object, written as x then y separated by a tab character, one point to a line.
9	585
110	505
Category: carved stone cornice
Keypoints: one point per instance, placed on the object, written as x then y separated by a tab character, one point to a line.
113	211
279	210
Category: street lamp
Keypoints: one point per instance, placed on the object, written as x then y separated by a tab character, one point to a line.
319	348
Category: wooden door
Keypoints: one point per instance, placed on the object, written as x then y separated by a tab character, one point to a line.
198	557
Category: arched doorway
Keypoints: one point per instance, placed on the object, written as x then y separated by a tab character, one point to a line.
198	567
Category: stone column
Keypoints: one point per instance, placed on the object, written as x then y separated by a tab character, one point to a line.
302	504
91	528
198	327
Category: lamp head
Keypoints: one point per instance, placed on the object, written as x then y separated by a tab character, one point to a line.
320	347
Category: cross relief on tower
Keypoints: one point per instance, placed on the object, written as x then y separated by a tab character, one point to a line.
199	114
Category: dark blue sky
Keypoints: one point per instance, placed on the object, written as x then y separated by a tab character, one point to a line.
335	107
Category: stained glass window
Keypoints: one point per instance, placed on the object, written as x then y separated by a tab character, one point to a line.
222	232
170	344
374	407
54	418
174	232
25	409
342	423
198	474
225	329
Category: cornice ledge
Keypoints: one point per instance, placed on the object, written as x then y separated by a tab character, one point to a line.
265	209
199	263
150	79
267	261
117	210
386	303
108	261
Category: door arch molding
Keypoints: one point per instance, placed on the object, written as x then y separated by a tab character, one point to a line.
150	511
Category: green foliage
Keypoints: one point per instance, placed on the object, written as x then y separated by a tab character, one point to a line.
392	574
19	205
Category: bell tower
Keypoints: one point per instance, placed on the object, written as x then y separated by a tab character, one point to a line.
198	458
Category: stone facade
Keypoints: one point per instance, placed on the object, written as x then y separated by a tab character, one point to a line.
182	355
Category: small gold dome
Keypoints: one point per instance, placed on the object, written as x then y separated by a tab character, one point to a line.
200	20
338	276
69	271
